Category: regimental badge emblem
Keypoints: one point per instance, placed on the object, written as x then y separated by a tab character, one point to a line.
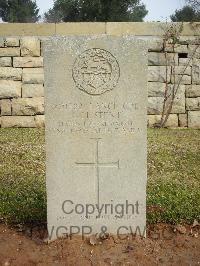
96	71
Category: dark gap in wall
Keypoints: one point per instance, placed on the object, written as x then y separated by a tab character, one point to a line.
183	55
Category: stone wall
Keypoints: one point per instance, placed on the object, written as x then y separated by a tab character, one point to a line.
182	72
22	78
21	82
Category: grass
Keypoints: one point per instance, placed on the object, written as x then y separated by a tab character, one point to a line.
174	175
173	191
22	175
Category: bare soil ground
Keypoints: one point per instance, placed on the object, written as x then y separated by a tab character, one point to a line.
163	246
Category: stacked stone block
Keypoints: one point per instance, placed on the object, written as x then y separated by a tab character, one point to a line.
175	68
21	82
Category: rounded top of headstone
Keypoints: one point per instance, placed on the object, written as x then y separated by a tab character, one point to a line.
96	71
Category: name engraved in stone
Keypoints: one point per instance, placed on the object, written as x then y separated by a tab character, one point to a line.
73	106
96	117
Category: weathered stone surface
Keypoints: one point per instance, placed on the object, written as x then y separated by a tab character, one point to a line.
189	39
155	119
162	59
181	48
28	106
33	75
193	104
5	61
30	46
17	121
125	28
28	62
181	79
11	42
10	89
185	62
40	121
32	90
5	106
156	89
10	73
155	104
177	48
192	91
196	71
143	29
2	42
179	101
182	70
28	29
159	73
194	119
89	28
155	45
194	51
95	119
10	51
112	28
182	120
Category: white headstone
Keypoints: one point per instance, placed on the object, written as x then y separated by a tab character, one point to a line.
95	101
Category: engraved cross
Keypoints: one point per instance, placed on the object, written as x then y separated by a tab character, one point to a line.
97	165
